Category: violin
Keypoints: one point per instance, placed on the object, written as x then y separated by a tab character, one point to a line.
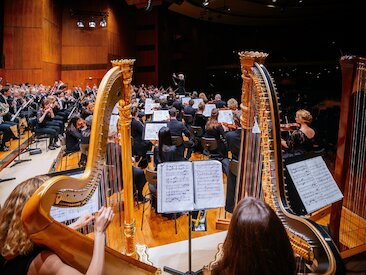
232	127
289	127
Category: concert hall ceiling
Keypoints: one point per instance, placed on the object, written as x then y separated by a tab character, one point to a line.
267	12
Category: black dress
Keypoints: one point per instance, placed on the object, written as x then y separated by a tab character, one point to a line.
20	264
298	143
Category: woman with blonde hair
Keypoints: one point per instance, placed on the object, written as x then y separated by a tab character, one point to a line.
19	255
203	96
301	140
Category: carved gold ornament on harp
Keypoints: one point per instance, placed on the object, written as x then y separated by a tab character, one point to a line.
72	247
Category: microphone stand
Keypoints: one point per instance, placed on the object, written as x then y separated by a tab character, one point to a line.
17	161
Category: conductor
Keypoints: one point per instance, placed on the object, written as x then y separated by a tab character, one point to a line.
180	83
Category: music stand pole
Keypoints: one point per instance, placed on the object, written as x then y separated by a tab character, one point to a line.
17	161
189	272
28	149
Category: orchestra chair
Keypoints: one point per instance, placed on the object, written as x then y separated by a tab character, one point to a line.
177	140
197	133
188	119
152	178
209	147
39	134
234	166
65	152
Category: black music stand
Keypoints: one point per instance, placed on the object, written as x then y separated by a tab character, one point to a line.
29	149
189	272
7	179
17	161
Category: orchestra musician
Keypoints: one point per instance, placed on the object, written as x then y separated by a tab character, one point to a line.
19	255
301	140
179	81
215	130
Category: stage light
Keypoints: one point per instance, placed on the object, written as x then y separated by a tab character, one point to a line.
92	23
103	22
205	3
80	23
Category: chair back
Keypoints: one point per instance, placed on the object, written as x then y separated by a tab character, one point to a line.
209	144
32	123
188	119
151	176
234	166
177	140
196	131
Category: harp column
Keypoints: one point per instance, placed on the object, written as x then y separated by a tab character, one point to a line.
126	66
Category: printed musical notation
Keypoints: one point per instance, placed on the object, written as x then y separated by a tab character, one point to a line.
197	101
314	183
226	116
160	115
187	186
151	131
208	109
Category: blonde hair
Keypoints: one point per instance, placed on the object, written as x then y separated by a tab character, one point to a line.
232	104
203	96
212	120
13	239
305	115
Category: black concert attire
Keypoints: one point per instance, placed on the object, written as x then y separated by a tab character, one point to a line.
73	137
139	146
9	128
233	139
181	90
20	264
218	133
298	143
177	104
48	126
199	120
219	103
189	110
114	157
177	128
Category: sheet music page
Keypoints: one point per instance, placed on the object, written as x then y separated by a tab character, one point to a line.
185	100
175	187
148	106
161	115
226	116
151	131
314	183
208	184
208	109
196	102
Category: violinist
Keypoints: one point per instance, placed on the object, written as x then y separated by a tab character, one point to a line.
300	141
215	130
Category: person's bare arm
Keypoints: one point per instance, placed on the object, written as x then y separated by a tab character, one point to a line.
48	263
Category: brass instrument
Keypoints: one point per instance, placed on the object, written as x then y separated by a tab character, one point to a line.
72	247
348	217
261	167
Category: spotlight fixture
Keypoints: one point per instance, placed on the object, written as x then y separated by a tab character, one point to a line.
205	3
92	23
103	22
90	18
80	23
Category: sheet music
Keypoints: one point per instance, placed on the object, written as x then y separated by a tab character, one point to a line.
208	184
208	109
148	106
175	187
160	115
226	116
152	130
185	100
62	214
196	102
314	183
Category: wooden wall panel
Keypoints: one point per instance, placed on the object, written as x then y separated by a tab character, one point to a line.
23	13
148	78
146	58
146	37
22	76
50	73
82	77
84	55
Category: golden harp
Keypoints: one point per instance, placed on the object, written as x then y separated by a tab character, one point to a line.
72	247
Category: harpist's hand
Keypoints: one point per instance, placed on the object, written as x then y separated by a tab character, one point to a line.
82	221
103	219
